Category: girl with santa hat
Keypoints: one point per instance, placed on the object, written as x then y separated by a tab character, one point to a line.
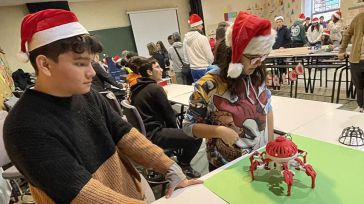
231	106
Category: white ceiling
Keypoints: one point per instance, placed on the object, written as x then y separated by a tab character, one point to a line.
20	2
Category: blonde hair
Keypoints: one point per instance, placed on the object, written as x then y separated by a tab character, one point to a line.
152	48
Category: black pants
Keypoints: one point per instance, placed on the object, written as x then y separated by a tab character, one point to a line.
175	138
297	44
357	76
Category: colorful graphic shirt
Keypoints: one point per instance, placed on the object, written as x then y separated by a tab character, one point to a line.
245	112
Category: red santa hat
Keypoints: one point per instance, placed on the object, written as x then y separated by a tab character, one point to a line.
337	14
195	20
302	17
116	58
326	32
249	34
46	26
315	20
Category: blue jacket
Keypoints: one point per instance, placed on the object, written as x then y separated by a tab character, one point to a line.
283	38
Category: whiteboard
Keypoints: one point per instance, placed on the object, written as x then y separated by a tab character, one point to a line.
152	26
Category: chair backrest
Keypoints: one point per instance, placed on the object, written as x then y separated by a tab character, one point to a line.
4	158
111	98
133	116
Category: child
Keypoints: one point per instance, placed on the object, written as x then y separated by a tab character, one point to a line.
231	104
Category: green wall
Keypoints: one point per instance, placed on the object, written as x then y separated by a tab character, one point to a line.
115	40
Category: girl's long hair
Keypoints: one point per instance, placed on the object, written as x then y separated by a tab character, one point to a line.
223	59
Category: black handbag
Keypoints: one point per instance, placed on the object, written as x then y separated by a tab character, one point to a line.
186	69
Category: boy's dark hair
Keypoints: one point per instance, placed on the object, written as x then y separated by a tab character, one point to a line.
170	37
140	65
130	55
223	59
77	44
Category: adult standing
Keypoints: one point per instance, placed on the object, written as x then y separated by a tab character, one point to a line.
176	54
356	59
197	48
335	28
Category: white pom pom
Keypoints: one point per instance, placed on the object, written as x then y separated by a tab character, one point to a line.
23	57
235	69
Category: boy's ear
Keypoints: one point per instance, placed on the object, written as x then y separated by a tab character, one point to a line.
149	72
43	65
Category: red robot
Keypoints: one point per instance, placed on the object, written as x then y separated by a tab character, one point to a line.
284	155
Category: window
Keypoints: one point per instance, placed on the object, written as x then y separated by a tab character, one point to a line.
323	6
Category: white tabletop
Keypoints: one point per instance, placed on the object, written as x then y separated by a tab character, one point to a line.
298	116
174	90
198	193
291	113
329	126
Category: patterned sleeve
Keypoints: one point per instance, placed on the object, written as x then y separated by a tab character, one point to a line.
268	107
197	111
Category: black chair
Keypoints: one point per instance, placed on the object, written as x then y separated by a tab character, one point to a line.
19	187
111	98
134	118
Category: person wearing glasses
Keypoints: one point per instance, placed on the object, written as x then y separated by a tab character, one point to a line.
231	105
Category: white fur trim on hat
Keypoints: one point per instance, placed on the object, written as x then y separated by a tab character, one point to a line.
228	35
196	24
47	36
22	57
279	18
235	69
337	15
261	45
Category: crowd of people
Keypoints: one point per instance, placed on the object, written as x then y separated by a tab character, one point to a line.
72	147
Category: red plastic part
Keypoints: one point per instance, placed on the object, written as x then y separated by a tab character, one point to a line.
281	147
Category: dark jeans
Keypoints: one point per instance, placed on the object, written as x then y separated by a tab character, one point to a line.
357	76
297	44
175	138
197	74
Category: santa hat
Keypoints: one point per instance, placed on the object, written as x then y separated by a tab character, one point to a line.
326	32
249	34
116	58
302	17
337	14
279	18
195	20
46	26
315	20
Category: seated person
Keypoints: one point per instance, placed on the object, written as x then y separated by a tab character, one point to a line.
102	78
132	77
157	113
63	137
325	37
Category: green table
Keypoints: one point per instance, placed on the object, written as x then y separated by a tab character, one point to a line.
340	178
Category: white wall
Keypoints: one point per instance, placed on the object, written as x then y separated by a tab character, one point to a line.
214	10
94	15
